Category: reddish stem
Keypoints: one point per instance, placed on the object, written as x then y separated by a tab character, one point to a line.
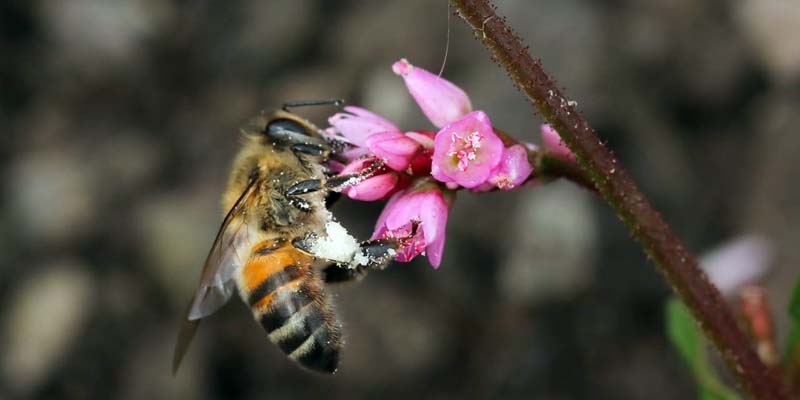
612	182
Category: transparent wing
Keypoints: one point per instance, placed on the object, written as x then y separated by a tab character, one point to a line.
216	283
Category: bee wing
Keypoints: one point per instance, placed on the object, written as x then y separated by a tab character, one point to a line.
216	283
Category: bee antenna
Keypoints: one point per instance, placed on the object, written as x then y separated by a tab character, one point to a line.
306	103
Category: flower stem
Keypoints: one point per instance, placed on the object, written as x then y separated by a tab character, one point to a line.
645	224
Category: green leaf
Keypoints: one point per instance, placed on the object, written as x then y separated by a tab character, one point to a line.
794	305
682	331
687	339
792	356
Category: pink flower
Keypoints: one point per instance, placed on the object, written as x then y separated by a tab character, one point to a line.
513	169
375	187
424	138
466	151
553	143
394	148
738	262
427	208
440	100
357	124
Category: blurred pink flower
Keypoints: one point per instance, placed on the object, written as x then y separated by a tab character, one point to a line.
439	99
466	151
375	187
427	208
737	262
553	143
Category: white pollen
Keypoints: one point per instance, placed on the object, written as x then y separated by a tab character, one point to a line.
338	245
359	259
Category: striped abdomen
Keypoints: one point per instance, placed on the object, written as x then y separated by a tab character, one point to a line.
285	293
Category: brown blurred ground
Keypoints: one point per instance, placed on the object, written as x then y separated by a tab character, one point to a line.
119	120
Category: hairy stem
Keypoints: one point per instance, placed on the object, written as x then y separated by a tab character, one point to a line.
645	224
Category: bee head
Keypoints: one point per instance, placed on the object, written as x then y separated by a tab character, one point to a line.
285	129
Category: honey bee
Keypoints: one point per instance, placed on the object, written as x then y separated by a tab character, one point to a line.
276	209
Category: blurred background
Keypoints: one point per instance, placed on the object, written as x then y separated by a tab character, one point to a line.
120	119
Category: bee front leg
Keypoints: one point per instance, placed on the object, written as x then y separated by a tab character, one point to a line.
311	149
335	184
317	152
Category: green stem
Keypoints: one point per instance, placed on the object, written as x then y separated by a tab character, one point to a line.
645	224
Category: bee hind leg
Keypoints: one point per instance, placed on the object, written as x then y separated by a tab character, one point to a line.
376	253
335	273
379	252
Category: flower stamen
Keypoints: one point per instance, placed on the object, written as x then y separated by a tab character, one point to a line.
464	148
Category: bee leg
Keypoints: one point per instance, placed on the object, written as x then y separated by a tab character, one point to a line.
379	252
311	149
300	204
317	152
335	273
336	183
303	187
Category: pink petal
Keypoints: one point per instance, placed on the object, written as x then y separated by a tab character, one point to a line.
553	143
404	211
357	124
439	99
394	148
427	207
434	251
355	153
372	188
335	166
453	158
380	224
425	138
432	212
371	116
513	170
440	176
434	222
356	166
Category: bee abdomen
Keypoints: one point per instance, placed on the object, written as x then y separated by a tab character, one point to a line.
291	306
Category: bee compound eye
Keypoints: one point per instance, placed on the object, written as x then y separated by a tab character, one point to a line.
285	130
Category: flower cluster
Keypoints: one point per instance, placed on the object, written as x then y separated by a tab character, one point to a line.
420	170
